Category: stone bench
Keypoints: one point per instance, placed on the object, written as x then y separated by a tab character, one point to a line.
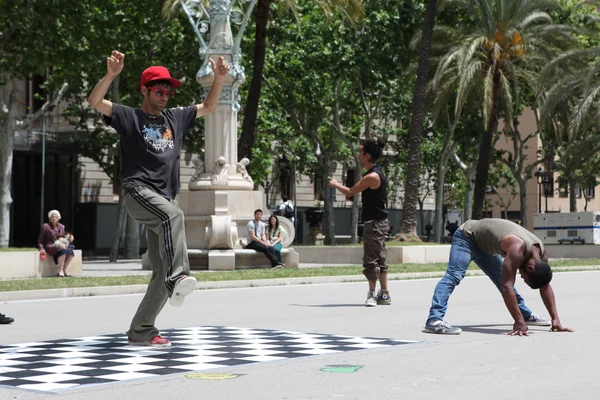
232	259
27	264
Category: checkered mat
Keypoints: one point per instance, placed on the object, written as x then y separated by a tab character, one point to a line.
70	363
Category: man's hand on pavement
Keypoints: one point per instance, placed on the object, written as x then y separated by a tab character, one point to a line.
519	329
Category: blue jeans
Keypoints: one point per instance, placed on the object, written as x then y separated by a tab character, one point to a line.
462	251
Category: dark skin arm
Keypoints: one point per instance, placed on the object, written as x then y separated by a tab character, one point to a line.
515	249
547	295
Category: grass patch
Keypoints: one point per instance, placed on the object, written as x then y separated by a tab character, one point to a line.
249	274
11	249
391	243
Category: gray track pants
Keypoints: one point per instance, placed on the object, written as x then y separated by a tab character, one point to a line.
167	253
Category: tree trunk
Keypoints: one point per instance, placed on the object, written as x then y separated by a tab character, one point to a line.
132	239
421	217
485	152
246	141
328	218
6	157
572	194
412	182
7	135
470	176
447	151
116	239
439	198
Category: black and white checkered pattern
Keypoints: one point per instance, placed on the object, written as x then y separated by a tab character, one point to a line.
69	363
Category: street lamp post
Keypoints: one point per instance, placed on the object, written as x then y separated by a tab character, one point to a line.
546	184
539	174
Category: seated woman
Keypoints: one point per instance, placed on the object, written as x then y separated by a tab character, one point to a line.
54	241
274	236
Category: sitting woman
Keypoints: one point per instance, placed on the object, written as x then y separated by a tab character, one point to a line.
274	236
55	242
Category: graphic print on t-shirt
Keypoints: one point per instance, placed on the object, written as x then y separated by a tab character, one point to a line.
158	136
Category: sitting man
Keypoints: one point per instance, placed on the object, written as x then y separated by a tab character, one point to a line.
257	239
500	248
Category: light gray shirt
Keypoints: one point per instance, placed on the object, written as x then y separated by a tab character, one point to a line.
258	229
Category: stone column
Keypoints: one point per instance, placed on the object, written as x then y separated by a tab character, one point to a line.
221	167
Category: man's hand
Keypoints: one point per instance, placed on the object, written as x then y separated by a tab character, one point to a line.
333	183
220	68
519	329
42	252
114	63
557	327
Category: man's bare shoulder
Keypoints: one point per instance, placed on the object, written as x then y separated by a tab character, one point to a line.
513	243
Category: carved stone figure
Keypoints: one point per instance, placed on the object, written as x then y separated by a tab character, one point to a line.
219	175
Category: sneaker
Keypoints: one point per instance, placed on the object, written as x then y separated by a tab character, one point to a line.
371	300
537	320
4	320
384	298
442	327
183	287
277	266
156	341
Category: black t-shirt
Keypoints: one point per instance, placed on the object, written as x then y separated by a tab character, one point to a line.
151	146
374	200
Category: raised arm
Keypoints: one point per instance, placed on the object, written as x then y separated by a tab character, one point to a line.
209	105
371	180
114	66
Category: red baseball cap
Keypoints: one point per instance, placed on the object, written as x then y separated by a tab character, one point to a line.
156	73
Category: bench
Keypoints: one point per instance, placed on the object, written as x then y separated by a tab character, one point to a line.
27	264
232	259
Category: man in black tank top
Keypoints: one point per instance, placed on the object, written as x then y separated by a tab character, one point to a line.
500	248
373	186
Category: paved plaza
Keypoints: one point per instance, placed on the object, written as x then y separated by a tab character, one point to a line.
305	342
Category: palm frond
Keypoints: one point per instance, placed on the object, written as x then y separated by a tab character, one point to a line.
171	8
581	111
488	95
535	17
352	10
505	90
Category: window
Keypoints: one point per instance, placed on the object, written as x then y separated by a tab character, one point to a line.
318	188
286	177
563	191
116	184
35	96
590	192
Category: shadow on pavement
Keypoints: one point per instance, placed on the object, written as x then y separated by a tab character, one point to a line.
492	329
328	305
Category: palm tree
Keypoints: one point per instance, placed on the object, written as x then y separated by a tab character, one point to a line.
492	57
408	225
352	10
570	111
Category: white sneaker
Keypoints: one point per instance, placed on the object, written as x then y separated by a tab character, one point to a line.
371	299
183	287
536	320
